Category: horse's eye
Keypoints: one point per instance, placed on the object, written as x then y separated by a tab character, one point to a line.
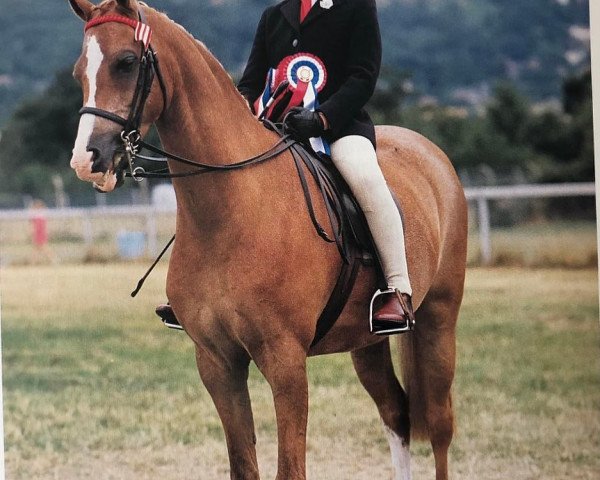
125	64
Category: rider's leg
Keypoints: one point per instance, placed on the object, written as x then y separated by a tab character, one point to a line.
355	158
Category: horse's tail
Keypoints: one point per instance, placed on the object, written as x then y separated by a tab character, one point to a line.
409	361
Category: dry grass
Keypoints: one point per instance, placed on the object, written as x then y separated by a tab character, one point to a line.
96	388
540	245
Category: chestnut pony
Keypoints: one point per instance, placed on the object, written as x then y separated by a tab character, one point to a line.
248	275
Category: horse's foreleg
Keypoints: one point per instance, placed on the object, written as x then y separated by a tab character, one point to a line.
284	367
375	370
226	381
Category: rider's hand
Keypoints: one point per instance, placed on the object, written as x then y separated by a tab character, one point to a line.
303	123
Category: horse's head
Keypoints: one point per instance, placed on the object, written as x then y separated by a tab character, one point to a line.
115	72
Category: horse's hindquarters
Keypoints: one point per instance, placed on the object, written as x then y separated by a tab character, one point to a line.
432	201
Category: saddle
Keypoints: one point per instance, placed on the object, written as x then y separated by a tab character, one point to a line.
349	228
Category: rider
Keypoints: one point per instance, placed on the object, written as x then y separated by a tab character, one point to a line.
326	54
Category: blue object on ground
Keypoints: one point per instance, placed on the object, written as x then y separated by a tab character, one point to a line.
131	244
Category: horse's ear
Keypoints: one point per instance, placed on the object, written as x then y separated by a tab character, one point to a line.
128	4
82	8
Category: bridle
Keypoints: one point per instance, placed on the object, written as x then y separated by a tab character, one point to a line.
148	69
131	136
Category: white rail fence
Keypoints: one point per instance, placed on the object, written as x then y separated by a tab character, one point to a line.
483	195
480	196
88	215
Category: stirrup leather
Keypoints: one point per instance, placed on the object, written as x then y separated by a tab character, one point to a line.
408	325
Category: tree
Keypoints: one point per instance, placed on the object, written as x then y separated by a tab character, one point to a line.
38	140
37	144
577	92
392	89
568	136
508	113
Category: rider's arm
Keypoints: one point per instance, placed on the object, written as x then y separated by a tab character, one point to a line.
362	69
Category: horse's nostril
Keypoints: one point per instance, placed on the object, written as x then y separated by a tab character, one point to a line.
96	160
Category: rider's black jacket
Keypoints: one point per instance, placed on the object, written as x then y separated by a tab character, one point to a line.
344	36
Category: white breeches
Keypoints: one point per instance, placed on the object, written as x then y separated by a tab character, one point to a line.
355	158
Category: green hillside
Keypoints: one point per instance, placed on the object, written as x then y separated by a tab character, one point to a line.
454	50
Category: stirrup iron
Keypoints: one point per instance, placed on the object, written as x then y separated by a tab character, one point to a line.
174	326
407	327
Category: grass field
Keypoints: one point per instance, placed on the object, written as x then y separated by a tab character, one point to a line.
95	387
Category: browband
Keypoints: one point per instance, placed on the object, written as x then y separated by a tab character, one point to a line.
143	32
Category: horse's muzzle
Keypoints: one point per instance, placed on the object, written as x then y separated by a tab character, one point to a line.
103	164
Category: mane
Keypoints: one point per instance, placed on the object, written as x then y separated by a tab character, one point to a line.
215	66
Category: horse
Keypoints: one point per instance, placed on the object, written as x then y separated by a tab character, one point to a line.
248	275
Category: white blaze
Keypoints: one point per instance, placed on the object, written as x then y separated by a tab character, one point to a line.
400	455
81	161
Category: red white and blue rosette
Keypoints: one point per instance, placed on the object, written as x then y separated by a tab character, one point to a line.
304	68
305	76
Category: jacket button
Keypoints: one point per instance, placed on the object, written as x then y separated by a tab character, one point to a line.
295	43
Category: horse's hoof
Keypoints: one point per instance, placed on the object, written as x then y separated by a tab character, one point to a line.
394	315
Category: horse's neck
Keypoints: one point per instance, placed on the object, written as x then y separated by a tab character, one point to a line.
207	120
206	113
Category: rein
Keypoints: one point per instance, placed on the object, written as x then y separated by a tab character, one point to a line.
283	144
